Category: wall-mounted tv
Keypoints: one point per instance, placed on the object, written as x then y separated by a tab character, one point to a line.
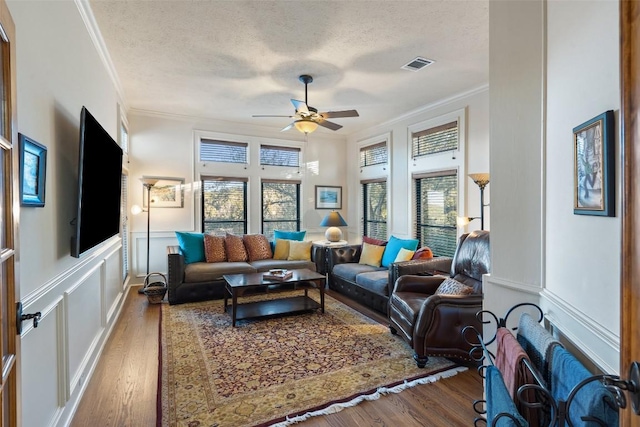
99	186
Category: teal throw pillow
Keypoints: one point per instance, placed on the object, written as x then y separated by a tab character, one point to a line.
289	235
191	246
394	246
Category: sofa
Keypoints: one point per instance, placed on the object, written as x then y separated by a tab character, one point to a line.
195	274
370	284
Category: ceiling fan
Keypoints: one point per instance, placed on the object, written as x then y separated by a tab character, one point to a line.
307	118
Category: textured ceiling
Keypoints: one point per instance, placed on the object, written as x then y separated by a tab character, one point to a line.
229	60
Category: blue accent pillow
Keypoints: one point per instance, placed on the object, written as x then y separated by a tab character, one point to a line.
394	246
191	246
289	235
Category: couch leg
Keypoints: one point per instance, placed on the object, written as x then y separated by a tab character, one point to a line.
393	330
421	361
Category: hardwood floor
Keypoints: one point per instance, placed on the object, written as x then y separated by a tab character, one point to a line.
123	388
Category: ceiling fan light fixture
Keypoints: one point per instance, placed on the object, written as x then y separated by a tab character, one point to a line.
305	125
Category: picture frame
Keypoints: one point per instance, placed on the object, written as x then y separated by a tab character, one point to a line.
328	197
594	166
166	193
33	171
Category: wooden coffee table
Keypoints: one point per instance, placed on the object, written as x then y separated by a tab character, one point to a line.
239	285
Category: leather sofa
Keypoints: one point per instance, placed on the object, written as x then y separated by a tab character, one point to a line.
371	286
433	323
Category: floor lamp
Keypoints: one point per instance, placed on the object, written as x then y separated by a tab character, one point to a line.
481	179
147	183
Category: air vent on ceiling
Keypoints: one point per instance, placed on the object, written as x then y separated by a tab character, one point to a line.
417	64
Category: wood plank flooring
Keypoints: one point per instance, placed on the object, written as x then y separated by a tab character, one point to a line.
123	388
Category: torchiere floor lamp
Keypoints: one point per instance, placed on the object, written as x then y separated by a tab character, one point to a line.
481	179
147	183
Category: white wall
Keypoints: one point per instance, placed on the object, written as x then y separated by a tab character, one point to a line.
541	251
59	71
163	145
473	110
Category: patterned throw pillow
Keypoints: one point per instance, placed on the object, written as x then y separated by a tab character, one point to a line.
214	248
234	246
452	287
423	253
281	250
299	251
371	254
373	241
257	246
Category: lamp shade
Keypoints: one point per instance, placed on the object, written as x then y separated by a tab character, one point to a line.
333	219
305	125
481	179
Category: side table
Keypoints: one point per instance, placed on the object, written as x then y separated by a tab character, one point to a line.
321	251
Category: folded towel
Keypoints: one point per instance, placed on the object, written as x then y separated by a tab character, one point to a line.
538	343
510	358
592	401
499	402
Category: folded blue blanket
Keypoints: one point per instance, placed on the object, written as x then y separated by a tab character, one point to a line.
593	401
538	343
500	406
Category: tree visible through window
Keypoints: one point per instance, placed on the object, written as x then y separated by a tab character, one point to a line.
280	206
436	201
374	197
224	205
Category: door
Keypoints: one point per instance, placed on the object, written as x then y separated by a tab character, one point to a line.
9	210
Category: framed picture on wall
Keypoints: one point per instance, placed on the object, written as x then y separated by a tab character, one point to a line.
33	171
328	197
166	193
594	164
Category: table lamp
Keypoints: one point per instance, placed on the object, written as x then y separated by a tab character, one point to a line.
333	220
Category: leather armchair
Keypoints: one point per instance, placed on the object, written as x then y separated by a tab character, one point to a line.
432	324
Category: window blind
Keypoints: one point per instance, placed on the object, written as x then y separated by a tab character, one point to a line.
435	140
272	155
223	151
375	154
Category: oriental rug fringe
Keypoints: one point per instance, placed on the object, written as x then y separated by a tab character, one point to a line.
278	371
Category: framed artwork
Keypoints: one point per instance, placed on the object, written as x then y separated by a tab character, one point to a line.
33	171
165	193
594	164
328	197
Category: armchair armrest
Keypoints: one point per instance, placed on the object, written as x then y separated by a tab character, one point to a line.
427	267
343	255
175	268
418	284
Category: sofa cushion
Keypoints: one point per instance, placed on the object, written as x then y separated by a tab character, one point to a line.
191	246
234	246
371	254
268	264
209	271
375	281
394	246
349	270
404	255
299	251
214	248
423	253
289	235
257	246
281	250
373	241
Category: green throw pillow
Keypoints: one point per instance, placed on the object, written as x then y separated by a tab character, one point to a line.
394	246
191	246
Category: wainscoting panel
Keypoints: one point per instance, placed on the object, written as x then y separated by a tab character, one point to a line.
43	352
157	252
112	284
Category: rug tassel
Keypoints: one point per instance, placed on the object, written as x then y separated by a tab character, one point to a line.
337	407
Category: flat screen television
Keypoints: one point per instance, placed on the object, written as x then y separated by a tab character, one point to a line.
99	186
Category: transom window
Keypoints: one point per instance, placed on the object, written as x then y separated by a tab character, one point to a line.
272	155
280	206
224	205
223	151
374	197
436	204
375	154
435	140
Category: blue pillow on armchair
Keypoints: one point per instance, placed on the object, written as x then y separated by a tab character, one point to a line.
191	246
394	246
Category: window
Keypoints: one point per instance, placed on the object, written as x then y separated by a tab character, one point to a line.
374	197
280	206
435	140
279	156
224	205
375	154
223	151
125	228
436	203
124	137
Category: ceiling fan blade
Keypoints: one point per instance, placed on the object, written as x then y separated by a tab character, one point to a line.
329	125
269	115
300	106
288	127
344	113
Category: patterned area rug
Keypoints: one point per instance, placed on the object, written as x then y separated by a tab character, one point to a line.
277	371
